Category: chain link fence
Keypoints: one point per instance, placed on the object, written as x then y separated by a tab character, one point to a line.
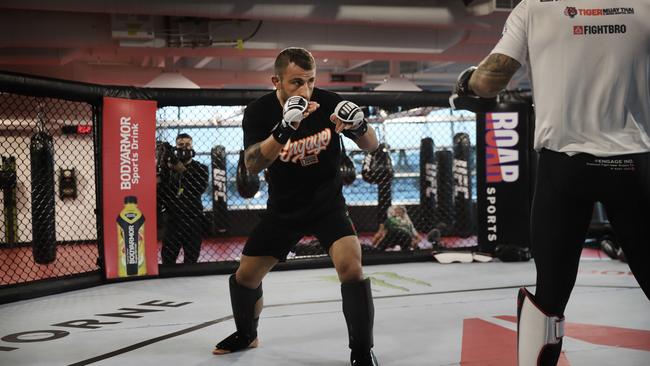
415	193
48	226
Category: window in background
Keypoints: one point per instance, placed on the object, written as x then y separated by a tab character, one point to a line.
210	126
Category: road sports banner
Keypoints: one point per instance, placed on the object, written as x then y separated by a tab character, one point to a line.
129	187
503	176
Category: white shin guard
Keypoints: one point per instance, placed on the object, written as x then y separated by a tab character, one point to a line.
536	330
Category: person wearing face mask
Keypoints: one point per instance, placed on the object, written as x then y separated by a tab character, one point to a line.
181	185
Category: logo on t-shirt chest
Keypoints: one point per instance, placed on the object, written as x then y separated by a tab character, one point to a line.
572	11
579	30
597	29
306	149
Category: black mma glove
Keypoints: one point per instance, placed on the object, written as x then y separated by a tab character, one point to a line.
464	97
164	155
170	158
292	114
462	89
352	116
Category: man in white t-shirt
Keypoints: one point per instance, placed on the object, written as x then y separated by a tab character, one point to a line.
589	63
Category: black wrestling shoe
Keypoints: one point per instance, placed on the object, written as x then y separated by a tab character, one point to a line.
233	343
363	359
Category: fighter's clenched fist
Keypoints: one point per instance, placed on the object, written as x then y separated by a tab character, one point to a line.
349	116
293	111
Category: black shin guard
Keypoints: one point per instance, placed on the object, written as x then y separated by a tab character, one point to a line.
243	302
359	314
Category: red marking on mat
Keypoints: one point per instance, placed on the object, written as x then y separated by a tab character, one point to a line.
593	253
603	335
488	344
509	318
610	336
485	343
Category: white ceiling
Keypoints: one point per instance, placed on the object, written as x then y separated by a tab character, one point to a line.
132	42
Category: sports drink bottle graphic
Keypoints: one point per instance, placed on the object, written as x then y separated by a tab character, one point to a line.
130	236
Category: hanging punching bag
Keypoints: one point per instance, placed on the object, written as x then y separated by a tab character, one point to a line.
445	181
377	166
428	185
384	199
366	173
463	225
247	184
8	185
219	189
381	168
42	171
348	171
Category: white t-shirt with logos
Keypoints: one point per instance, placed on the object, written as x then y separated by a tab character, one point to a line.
589	62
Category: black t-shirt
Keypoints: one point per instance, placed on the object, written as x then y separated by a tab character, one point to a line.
181	192
304	181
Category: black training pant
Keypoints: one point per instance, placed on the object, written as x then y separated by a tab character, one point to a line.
177	236
565	192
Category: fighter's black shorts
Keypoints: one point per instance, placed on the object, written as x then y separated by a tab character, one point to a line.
275	237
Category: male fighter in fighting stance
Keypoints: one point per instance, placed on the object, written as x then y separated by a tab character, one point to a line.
294	133
589	62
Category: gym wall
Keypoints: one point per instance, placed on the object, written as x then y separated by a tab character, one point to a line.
66	243
75	217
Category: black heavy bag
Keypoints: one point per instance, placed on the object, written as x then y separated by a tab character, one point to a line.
600	225
247	184
384	199
43	226
445	189
428	185
348	171
601	231
219	189
463	225
164	156
377	165
366	174
163	150
8	186
512	253
312	247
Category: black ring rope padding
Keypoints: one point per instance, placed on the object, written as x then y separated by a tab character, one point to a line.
40	86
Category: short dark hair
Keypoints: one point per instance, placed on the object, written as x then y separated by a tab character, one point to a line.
298	56
183	136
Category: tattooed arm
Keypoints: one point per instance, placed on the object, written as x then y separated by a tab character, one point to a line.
262	154
493	75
